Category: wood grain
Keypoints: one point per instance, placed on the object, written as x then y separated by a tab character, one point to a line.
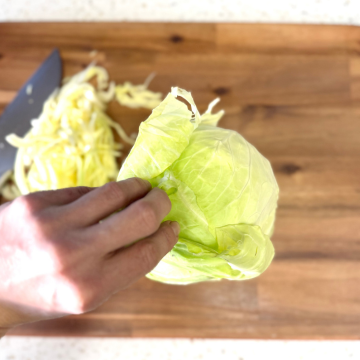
291	90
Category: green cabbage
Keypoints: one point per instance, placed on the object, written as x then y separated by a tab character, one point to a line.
223	193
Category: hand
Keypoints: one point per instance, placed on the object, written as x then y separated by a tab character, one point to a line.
66	251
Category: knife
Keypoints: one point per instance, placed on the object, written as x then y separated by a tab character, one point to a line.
28	105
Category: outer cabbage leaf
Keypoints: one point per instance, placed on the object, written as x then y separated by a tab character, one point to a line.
162	138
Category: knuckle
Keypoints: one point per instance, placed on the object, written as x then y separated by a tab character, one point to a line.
27	203
139	183
147	216
81	190
29	209
148	254
112	191
74	192
46	224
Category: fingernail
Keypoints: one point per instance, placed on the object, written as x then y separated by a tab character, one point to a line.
175	227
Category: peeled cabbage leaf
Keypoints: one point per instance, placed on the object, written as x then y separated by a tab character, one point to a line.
223	193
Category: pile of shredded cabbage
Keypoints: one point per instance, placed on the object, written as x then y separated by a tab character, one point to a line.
71	143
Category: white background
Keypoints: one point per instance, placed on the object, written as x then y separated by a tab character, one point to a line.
301	11
18	348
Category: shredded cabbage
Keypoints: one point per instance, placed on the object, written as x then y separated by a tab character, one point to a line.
223	193
71	143
135	96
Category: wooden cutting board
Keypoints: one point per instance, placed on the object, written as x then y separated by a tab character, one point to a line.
293	91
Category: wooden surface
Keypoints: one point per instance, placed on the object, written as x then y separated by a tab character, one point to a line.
292	91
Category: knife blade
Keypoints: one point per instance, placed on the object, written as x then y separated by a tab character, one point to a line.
28	105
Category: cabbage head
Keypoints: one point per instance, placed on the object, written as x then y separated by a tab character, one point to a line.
223	193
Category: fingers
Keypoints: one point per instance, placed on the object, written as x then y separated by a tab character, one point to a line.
141	219
135	261
58	197
105	200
